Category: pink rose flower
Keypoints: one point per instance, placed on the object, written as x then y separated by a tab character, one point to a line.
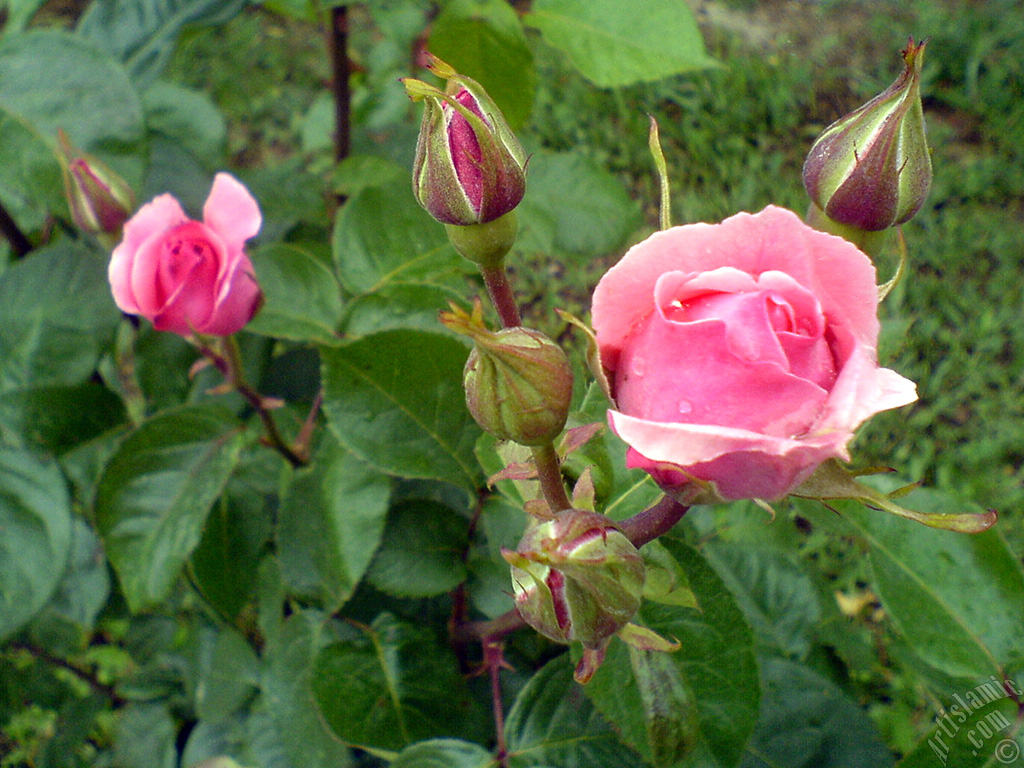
742	353
188	276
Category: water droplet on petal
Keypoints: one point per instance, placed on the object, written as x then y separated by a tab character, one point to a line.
684	406
639	366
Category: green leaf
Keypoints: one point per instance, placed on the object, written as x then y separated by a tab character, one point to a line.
443	753
391	687
35	518
395	399
56	419
971	733
615	44
188	117
156	492
145	737
54	80
143	33
19	13
235	535
401	305
302	298
229	679
593	221
779	600
716	671
808	722
553	723
422	551
285	722
958	598
330	524
31	187
484	40
381	235
56	317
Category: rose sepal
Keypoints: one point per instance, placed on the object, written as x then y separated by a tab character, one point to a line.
832	481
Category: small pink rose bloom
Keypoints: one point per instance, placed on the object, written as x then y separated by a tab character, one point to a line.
742	353
188	276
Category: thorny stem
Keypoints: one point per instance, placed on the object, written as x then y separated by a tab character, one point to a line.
494	660
550	475
500	291
230	365
9	228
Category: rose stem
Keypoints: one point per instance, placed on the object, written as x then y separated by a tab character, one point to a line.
337	46
9	227
500	291
494	659
549	472
640	529
230	365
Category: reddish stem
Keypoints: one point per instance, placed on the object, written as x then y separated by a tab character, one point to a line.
500	291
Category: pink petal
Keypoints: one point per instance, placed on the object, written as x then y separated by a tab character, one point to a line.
239	299
155	217
232	212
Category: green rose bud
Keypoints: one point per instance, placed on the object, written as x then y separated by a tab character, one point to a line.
871	170
518	382
577	577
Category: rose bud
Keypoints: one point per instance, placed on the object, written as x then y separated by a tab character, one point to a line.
576	578
469	166
871	170
190	276
100	201
518	382
741	355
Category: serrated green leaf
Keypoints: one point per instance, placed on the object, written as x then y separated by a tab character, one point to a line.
715	664
392	687
330	524
302	298
484	40
615	44
444	753
188	117
56	317
395	399
35	518
553	723
422	551
958	598
31	187
381	235
143	33
54	79
593	221
808	722
156	492
401	305
56	419
285	729
779	600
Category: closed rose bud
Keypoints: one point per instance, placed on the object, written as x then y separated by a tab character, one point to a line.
469	166
518	382
871	170
576	578
100	201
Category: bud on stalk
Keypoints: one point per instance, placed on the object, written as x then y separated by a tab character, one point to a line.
577	578
100	200
518	382
469	167
871	170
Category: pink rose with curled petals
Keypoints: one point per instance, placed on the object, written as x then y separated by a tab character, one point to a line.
189	276
742	353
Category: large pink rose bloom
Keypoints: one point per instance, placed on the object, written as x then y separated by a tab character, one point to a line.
188	276
742	353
